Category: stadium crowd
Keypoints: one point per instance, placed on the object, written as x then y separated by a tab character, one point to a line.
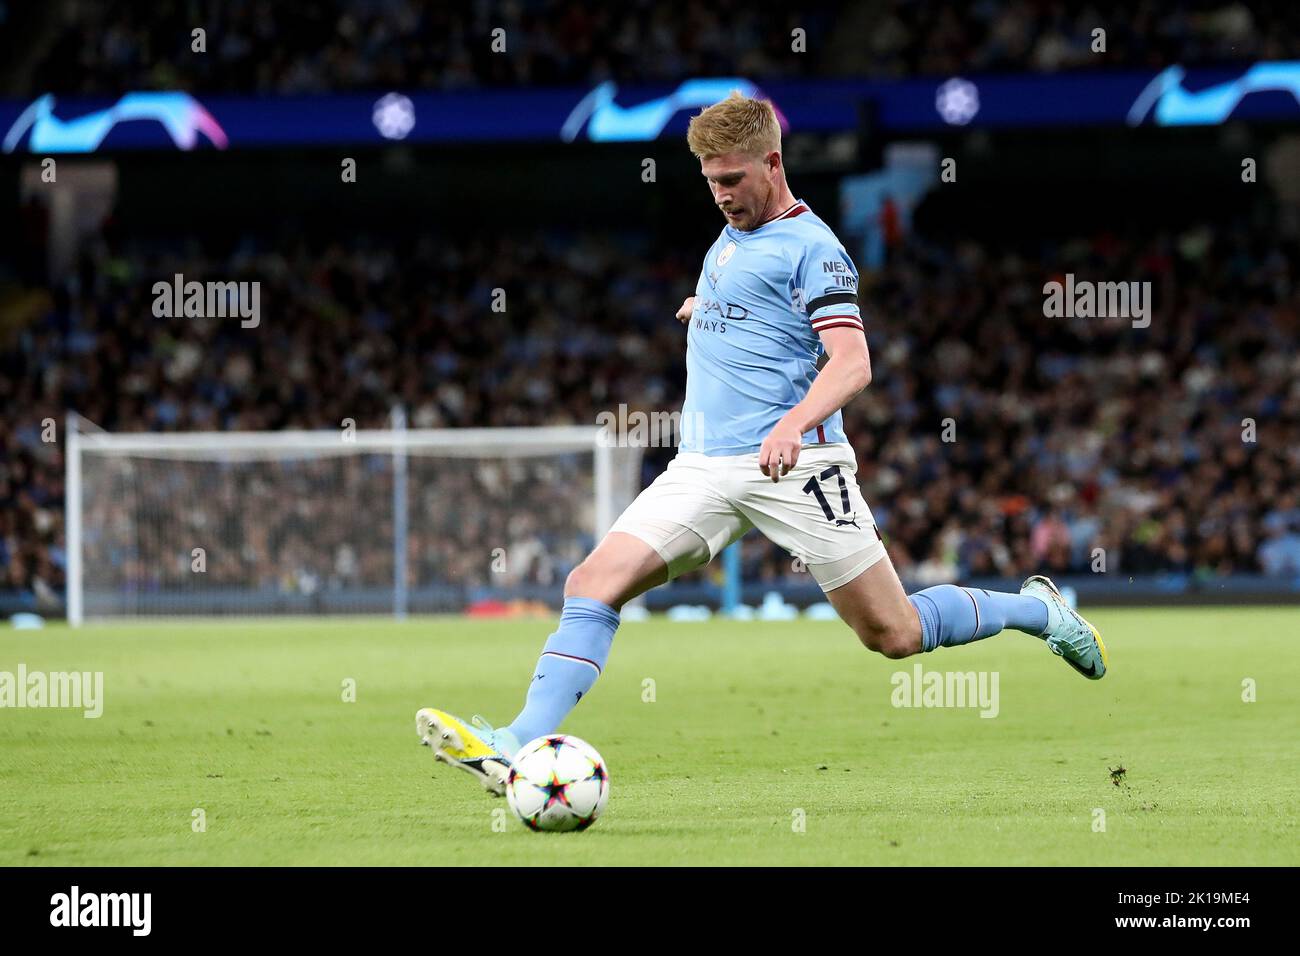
993	440
253	46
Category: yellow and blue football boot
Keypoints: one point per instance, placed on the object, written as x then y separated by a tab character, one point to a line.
476	748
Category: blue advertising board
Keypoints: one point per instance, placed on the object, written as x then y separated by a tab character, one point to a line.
606	113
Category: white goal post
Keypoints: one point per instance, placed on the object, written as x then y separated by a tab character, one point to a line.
345	521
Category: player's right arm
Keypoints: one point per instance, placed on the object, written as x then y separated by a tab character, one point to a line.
688	306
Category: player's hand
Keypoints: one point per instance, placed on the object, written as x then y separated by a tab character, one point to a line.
780	450
688	306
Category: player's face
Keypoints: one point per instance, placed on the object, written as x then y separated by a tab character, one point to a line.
743	187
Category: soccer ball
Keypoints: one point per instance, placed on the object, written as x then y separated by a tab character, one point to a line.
557	783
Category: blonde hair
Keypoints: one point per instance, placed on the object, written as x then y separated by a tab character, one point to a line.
738	124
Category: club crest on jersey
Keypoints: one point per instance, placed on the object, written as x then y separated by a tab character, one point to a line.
725	255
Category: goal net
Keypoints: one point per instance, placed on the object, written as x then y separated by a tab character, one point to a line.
364	521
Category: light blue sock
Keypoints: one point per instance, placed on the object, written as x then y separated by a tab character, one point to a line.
571	661
951	615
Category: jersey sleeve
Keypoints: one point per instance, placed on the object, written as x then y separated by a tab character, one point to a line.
828	282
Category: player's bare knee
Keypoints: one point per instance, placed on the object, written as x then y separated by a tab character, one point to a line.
892	641
897	646
583	581
598	580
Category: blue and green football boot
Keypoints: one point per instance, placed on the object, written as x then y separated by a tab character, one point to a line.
1068	634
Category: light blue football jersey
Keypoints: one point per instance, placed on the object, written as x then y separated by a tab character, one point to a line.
752	348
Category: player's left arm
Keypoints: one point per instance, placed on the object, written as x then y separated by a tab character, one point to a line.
827	280
847	372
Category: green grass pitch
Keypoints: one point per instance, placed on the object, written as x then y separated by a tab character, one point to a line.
753	728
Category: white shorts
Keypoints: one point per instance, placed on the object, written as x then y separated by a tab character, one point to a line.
702	503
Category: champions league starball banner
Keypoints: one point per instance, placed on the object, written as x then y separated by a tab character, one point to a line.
48	124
